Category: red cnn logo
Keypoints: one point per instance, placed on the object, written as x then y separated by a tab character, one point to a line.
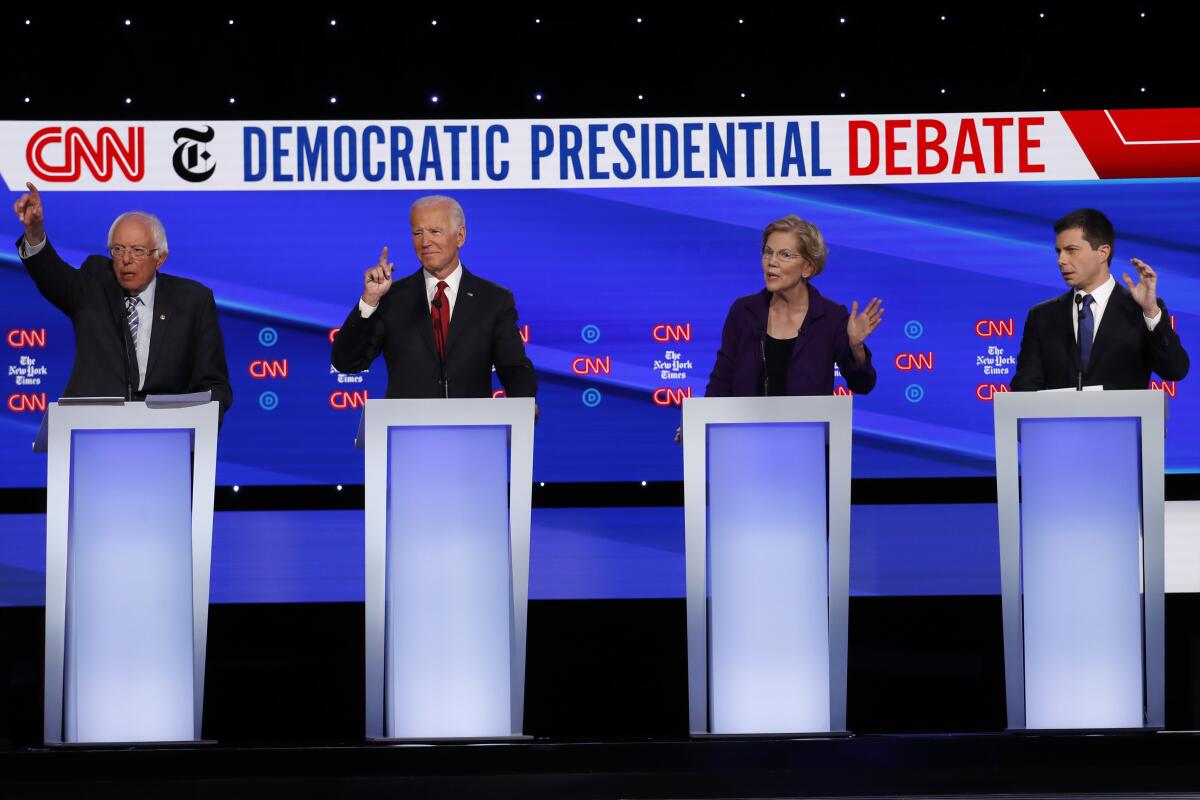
72	150
1164	386
21	403
670	397
986	391
842	391
988	328
333	334
672	333
907	362
524	331
592	366
499	393
262	368
343	400
24	337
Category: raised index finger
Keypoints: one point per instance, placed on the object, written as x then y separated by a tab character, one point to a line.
33	190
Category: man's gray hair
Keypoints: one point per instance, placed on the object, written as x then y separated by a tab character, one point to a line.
157	231
457	218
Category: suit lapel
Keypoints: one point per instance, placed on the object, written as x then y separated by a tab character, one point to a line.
116	301
1110	324
158	325
464	306
816	310
1063	323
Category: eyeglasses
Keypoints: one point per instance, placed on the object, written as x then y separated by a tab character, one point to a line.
138	252
784	255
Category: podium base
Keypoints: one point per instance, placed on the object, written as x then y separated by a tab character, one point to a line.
429	740
175	745
1145	729
779	735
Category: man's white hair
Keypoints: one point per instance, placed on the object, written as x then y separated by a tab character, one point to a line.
457	218
157	231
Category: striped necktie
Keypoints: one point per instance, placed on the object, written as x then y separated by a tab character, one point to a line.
131	316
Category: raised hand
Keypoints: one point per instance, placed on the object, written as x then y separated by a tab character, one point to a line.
1145	291
860	326
377	280
29	210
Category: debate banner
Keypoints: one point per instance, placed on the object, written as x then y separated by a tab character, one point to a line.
624	241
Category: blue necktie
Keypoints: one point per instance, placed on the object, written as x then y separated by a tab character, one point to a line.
1086	331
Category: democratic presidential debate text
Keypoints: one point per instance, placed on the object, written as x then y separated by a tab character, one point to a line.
568	153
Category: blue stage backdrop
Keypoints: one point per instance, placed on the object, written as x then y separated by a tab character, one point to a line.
622	292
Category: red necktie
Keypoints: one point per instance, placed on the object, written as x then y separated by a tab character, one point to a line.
439	309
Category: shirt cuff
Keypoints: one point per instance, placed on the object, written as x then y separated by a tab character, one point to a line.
1151	324
366	311
28	250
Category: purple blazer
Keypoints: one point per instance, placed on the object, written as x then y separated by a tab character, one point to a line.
822	343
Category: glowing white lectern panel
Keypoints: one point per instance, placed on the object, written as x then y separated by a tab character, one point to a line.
1079	478
129	514
448	490
767	505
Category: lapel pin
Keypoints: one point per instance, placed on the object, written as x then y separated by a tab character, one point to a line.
470	294
162	316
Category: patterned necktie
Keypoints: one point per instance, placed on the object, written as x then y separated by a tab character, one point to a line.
131	316
1086	331
439	309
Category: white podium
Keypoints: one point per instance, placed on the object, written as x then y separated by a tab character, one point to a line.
448	490
1079	479
129	514
767	504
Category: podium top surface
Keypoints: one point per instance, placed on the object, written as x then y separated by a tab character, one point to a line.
453	411
832	409
1146	403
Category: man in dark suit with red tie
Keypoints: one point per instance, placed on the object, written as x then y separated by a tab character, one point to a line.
1099	333
441	329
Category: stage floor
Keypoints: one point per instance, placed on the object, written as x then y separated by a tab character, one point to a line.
963	765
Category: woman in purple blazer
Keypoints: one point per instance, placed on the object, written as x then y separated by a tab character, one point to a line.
785	339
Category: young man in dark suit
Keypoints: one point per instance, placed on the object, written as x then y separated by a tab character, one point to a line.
1099	333
440	329
137	332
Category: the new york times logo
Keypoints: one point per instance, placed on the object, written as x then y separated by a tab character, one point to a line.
192	160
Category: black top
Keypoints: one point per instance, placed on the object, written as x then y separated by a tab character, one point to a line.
777	353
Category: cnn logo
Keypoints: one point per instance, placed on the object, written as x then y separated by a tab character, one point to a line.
26	337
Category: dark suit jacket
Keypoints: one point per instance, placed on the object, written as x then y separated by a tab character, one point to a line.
1123	355
187	353
822	342
483	333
